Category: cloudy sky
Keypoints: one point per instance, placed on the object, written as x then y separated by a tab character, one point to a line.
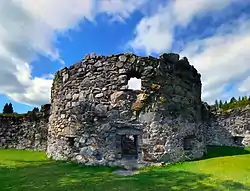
39	37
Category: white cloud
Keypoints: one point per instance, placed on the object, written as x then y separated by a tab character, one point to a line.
154	33
31	27
28	28
60	15
245	86
184	11
222	59
120	9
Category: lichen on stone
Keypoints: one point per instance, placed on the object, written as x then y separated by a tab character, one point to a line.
162	99
140	102
155	87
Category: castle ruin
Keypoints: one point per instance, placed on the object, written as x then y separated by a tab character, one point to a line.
96	119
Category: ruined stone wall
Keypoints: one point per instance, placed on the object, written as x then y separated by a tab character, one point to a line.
92	110
91	105
231	128
27	131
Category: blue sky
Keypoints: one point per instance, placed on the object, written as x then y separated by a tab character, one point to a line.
45	36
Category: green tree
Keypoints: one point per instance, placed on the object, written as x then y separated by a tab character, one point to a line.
36	109
5	108
244	98
220	104
239	99
10	108
233	100
216	104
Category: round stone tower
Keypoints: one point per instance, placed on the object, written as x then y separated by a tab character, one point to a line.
96	119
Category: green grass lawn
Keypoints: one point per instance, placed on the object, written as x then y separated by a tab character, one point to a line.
223	168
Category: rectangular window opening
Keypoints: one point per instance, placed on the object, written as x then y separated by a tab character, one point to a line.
134	84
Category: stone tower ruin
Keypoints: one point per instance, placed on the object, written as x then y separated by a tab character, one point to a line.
96	119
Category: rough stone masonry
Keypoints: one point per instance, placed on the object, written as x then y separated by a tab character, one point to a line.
27	131
95	119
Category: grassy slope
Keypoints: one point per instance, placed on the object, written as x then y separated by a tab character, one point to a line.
28	170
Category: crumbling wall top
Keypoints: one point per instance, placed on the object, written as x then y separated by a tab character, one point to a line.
96	88
118	69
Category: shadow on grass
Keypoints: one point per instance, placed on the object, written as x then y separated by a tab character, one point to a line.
61	176
221	151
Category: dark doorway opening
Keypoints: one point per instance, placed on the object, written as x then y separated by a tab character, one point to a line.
189	142
238	140
71	141
129	146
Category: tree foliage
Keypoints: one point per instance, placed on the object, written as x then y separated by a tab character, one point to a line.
233	103
8	108
35	110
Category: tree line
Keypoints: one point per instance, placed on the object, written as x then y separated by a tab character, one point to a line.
8	109
233	103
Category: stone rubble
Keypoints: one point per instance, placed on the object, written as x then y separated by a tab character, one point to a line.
126	172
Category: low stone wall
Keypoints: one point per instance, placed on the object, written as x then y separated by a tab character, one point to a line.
27	131
231	128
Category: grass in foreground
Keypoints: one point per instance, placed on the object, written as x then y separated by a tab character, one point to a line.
29	170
